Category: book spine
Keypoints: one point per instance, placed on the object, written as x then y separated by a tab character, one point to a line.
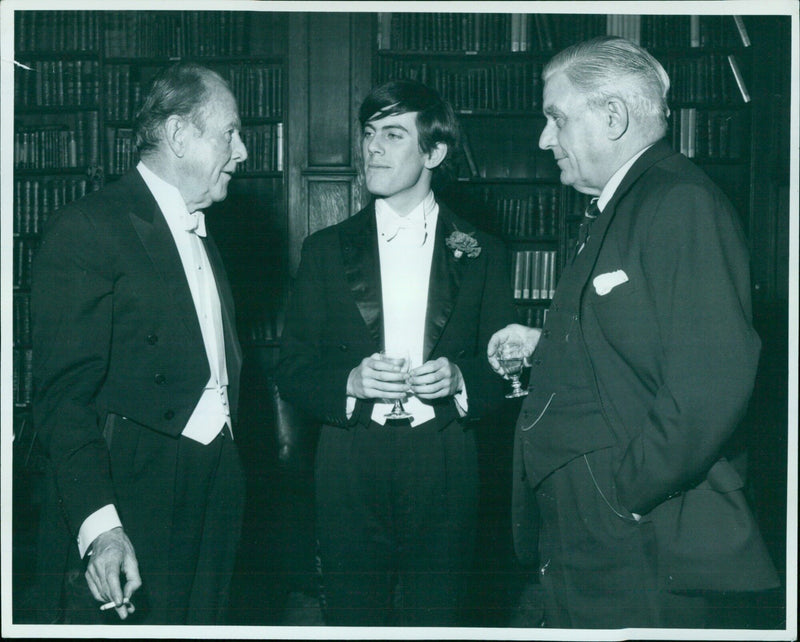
737	74
518	273
742	29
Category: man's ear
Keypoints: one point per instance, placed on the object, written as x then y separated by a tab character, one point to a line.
617	117
175	133
436	156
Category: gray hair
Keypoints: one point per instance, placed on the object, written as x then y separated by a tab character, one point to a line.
181	89
611	66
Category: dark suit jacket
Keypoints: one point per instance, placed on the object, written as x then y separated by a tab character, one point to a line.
116	339
334	318
672	355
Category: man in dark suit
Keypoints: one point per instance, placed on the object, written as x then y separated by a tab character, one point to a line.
396	499
623	487
136	372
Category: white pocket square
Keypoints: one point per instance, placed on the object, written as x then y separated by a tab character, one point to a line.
604	283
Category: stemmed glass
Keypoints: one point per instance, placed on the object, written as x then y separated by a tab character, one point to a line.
511	357
404	361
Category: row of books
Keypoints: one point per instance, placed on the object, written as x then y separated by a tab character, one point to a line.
673	31
492	32
22	376
258	90
511	32
261	330
529	217
264	148
575	203
513	86
572	28
175	34
58	83
121	153
122	92
70	144
24	250
707	134
534	274
532	316
710	78
36	198
505	148
57	31
22	319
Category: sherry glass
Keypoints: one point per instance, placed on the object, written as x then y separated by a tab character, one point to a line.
511	358
402	360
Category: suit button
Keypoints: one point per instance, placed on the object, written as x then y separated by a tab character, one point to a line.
545	333
169	414
152	339
537	362
160	379
343	347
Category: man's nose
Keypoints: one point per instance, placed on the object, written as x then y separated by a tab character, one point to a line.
374	146
547	137
239	149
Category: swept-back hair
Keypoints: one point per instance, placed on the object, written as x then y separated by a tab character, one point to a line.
436	121
181	89
609	66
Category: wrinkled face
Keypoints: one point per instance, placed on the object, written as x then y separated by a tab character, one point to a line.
395	167
212	155
576	134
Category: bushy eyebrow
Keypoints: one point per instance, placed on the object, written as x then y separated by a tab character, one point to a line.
552	111
386	127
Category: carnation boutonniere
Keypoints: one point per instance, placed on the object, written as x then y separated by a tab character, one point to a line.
462	243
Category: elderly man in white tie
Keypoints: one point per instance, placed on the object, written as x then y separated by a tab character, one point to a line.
136	369
384	343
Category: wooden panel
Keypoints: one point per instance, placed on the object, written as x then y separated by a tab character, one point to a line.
297	135
328	203
329	90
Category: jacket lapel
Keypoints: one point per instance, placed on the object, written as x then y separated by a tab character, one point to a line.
656	153
444	282
359	243
156	238
233	349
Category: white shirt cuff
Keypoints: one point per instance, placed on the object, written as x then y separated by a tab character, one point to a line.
462	402
350	406
100	521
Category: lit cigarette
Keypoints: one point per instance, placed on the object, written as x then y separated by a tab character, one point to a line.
112	605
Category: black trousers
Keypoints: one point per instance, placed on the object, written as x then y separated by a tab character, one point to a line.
186	537
396	510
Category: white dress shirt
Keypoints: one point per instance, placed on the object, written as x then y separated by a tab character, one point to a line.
212	412
405	246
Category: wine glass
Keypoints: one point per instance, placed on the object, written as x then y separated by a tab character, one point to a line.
511	357
403	360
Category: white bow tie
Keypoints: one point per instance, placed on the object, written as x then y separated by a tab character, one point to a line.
196	222
414	232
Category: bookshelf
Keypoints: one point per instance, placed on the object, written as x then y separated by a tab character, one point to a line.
83	79
488	66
